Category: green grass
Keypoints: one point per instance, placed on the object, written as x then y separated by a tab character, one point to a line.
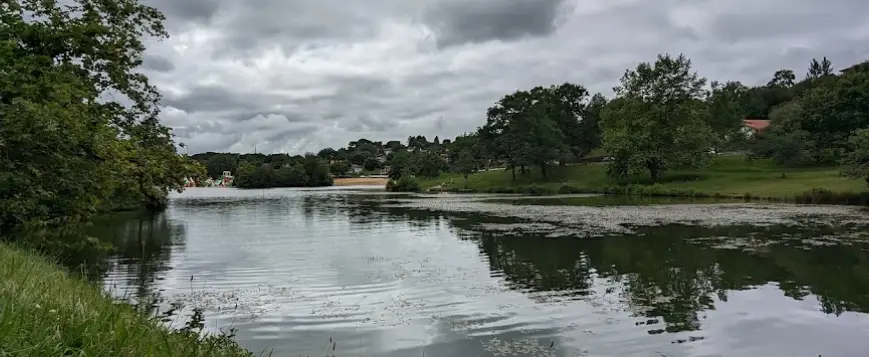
608	200
46	312
727	176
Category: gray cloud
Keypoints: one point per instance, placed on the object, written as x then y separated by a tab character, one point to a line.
157	63
460	22
296	76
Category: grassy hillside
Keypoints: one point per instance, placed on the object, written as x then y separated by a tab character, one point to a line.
728	175
46	312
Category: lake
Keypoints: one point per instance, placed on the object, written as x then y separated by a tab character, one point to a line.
446	275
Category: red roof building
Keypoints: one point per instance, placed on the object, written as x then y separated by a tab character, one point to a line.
756	125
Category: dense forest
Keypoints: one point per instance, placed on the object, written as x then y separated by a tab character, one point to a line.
67	153
663	116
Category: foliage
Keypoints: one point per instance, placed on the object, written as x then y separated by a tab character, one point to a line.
465	156
658	120
340	168
855	164
310	171
792	148
725	108
417	163
65	152
541	125
405	183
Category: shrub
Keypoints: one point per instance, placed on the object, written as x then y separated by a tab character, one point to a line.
405	183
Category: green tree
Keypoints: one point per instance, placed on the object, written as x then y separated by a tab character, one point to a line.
328	154
569	103
589	125
317	171
783	78
371	163
855	164
399	163
219	163
522	129
786	148
819	69
291	176
832	111
339	168
658	120
65	152
726	112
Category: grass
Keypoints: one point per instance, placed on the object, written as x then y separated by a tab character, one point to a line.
47	312
727	176
609	200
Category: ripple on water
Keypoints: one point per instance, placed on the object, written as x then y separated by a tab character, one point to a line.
296	270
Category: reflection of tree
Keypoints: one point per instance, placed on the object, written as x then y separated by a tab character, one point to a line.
664	272
142	246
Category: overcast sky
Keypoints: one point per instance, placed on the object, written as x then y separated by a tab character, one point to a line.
300	75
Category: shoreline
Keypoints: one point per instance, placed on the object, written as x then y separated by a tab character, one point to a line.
47	311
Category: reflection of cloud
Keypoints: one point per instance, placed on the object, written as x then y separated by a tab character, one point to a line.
292	268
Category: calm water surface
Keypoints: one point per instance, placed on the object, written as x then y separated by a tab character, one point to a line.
292	269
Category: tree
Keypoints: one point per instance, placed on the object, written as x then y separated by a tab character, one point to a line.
393	145
832	111
217	164
328	154
339	168
787	148
658	120
522	129
67	152
783	78
855	164
371	163
317	171
399	164
291	176
464	156
568	103
726	112
589	137
819	69
359	157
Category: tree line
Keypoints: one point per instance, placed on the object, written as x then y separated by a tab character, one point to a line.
79	133
267	171
663	116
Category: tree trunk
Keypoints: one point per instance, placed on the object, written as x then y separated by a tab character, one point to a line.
543	170
654	171
522	169
513	169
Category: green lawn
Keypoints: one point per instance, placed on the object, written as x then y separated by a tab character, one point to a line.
46	312
728	175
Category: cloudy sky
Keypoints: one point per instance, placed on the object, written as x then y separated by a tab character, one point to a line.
300	75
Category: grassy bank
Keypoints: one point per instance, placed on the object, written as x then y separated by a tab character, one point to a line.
46	312
729	176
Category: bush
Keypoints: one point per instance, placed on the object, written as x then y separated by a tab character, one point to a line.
825	196
405	183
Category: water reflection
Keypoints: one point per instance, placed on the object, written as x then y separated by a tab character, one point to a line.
292	268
